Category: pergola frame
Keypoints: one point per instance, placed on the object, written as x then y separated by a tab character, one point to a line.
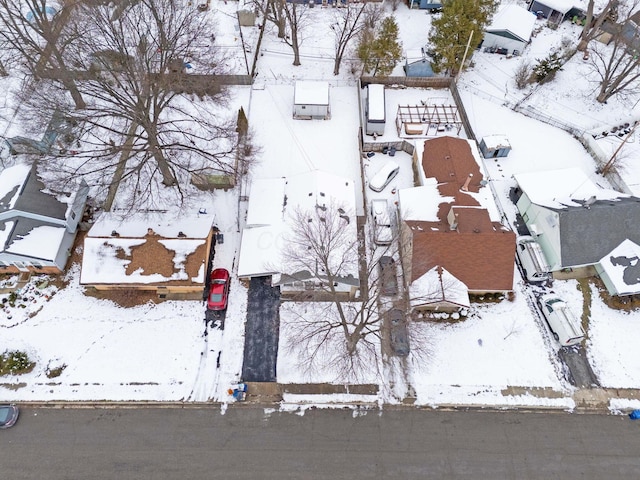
439	117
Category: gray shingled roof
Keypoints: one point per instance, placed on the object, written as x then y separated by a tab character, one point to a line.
589	233
34	200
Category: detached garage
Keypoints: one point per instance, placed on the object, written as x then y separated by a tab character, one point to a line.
510	29
311	100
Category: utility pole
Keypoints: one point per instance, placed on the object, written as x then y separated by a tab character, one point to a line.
464	57
607	166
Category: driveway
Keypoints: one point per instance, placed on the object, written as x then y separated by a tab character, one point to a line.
580	373
261	331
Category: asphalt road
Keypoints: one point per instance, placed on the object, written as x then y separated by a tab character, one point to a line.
247	443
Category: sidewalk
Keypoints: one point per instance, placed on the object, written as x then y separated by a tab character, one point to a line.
587	400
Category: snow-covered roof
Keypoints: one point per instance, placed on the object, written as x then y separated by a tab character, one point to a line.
376	101
260	250
311	93
264	236
622	267
515	19
421	203
263	206
562	6
106	261
308	189
438	285
40	242
560	188
495	142
414	55
10	178
146	249
137	225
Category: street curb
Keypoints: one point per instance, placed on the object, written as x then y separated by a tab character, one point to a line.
106	405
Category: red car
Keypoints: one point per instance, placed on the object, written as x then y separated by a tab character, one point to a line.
218	290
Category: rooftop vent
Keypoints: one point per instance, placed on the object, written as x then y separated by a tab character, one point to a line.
590	201
465	187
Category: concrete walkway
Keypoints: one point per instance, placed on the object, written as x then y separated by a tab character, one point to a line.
587	400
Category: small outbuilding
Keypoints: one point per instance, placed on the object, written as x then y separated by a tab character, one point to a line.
429	5
555	11
494	146
510	29
418	64
311	100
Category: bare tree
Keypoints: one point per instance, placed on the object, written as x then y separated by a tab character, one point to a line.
140	130
348	24
323	249
296	20
617	65
35	36
273	10
591	28
323	246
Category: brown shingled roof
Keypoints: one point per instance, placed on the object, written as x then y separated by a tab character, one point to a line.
478	252
483	260
449	160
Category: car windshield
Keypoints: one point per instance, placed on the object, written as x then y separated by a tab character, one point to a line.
219	281
5	412
216	297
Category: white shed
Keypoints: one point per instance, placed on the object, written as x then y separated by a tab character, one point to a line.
311	100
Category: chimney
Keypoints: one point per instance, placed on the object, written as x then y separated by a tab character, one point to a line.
590	201
465	187
452	218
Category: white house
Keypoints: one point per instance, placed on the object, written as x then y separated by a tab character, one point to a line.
311	100
510	29
37	229
575	221
273	203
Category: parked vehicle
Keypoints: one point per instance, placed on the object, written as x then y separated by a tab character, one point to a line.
388	276
398	332
564	326
218	289
382	178
382	231
532	260
8	415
